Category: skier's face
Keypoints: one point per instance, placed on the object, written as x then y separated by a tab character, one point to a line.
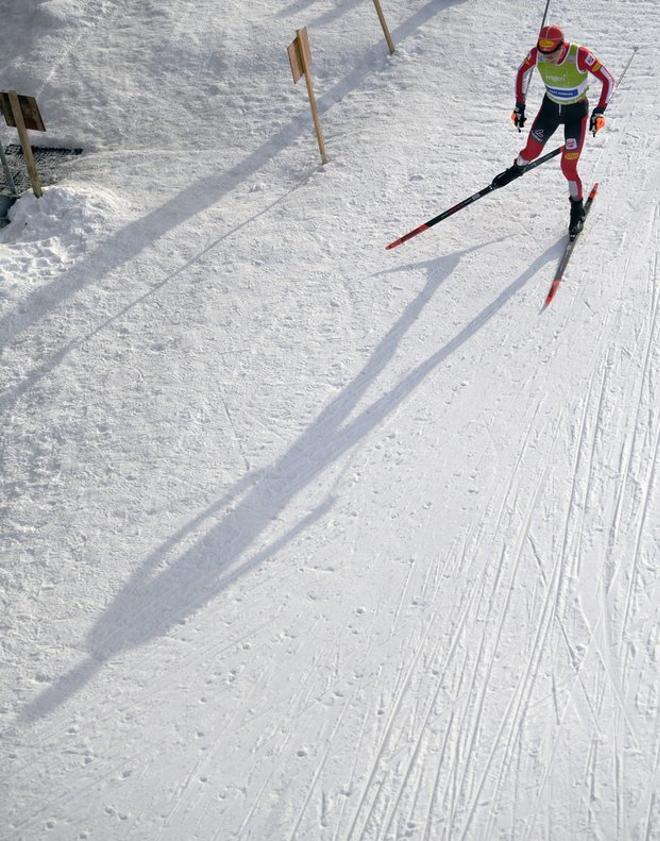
555	56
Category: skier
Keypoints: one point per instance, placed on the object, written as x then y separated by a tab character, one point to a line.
565	69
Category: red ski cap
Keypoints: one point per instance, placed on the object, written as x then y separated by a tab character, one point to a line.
550	39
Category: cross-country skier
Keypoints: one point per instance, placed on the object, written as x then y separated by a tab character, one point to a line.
565	69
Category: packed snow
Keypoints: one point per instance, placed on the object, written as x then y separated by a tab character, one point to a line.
303	539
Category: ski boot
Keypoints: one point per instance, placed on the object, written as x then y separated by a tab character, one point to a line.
576	222
507	176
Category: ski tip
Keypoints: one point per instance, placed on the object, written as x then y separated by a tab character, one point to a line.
551	294
408	236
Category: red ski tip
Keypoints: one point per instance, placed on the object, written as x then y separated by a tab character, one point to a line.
407	236
551	293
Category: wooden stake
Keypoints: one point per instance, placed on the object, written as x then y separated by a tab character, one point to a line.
25	143
303	55
7	171
383	23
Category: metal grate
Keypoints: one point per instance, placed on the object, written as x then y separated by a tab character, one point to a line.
49	160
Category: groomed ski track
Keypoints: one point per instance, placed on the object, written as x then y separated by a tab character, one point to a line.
305	540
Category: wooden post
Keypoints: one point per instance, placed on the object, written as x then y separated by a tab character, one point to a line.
7	171
300	58
383	23
25	143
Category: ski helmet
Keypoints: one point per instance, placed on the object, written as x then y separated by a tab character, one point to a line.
550	39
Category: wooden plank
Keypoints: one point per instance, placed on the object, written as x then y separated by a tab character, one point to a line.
294	60
28	108
19	122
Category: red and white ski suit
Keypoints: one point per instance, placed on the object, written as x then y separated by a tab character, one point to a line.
574	116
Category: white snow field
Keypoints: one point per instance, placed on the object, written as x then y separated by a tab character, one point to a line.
303	539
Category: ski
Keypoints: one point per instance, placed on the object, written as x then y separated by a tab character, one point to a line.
570	245
470	200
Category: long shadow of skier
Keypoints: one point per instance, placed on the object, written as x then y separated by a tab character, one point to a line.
161	594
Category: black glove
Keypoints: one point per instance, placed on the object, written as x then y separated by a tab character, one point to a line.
597	120
518	115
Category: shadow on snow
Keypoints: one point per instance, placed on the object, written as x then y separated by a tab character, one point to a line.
160	595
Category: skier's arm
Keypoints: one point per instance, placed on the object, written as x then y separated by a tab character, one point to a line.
587	61
523	71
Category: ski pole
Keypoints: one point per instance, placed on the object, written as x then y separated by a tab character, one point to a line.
529	75
598	125
625	69
475	197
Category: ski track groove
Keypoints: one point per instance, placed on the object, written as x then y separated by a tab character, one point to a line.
502	620
653	789
436	782
643	379
649	818
180	794
456	635
410	821
619	775
387	733
590	468
426	718
572	501
636	424
614	684
522	537
451	789
546	622
465	734
402	598
217	836
319	768
351	782
637	550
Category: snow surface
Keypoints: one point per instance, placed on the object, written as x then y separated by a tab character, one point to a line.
302	538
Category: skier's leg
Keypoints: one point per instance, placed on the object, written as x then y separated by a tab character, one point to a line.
575	131
543	127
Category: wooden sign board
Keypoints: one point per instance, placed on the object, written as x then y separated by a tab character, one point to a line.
29	109
294	60
22	112
300	54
